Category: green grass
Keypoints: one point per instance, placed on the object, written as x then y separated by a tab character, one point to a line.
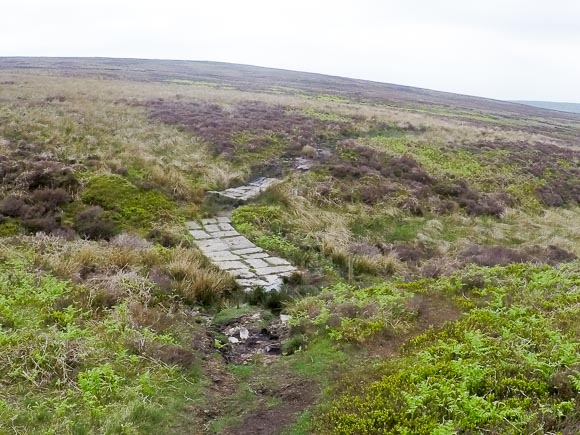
67	370
302	426
318	360
10	227
380	227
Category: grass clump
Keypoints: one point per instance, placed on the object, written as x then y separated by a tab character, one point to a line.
231	314
196	281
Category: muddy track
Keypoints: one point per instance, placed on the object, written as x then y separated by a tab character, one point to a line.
300	395
296	395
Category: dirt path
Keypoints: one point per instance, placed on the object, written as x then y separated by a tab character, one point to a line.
296	396
281	397
299	395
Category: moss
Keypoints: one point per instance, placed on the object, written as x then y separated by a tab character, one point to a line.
131	206
10	227
230	314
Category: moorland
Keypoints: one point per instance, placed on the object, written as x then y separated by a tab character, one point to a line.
437	238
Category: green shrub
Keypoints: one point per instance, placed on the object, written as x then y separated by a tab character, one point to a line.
353	315
498	370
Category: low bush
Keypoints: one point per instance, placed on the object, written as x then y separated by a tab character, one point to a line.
93	223
354	315
502	256
498	370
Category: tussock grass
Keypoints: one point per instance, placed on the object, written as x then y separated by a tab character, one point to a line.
197	281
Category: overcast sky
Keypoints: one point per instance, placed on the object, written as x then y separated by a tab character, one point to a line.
506	49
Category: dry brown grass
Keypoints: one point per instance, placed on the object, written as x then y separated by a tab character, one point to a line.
196	280
120	269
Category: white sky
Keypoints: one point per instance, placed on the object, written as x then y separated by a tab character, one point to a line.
510	49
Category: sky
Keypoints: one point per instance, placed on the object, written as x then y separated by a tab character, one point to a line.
504	49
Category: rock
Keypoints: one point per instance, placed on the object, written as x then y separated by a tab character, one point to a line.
199	234
244	333
232	330
233	340
229	265
276	261
284	318
274	270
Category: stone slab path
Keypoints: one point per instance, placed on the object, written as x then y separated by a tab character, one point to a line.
251	190
230	251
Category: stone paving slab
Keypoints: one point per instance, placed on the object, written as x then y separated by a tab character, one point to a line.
248	251
194	225
199	234
256	264
245	193
229	265
222	256
230	251
274	270
276	261
255	256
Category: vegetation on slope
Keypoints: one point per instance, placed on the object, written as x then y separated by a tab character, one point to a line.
511	365
438	238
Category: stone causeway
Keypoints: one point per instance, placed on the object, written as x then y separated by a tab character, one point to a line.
247	192
230	251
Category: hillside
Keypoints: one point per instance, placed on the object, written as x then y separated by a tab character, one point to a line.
561	107
197	246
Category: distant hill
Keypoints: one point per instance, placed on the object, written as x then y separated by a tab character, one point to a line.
247	77
562	107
